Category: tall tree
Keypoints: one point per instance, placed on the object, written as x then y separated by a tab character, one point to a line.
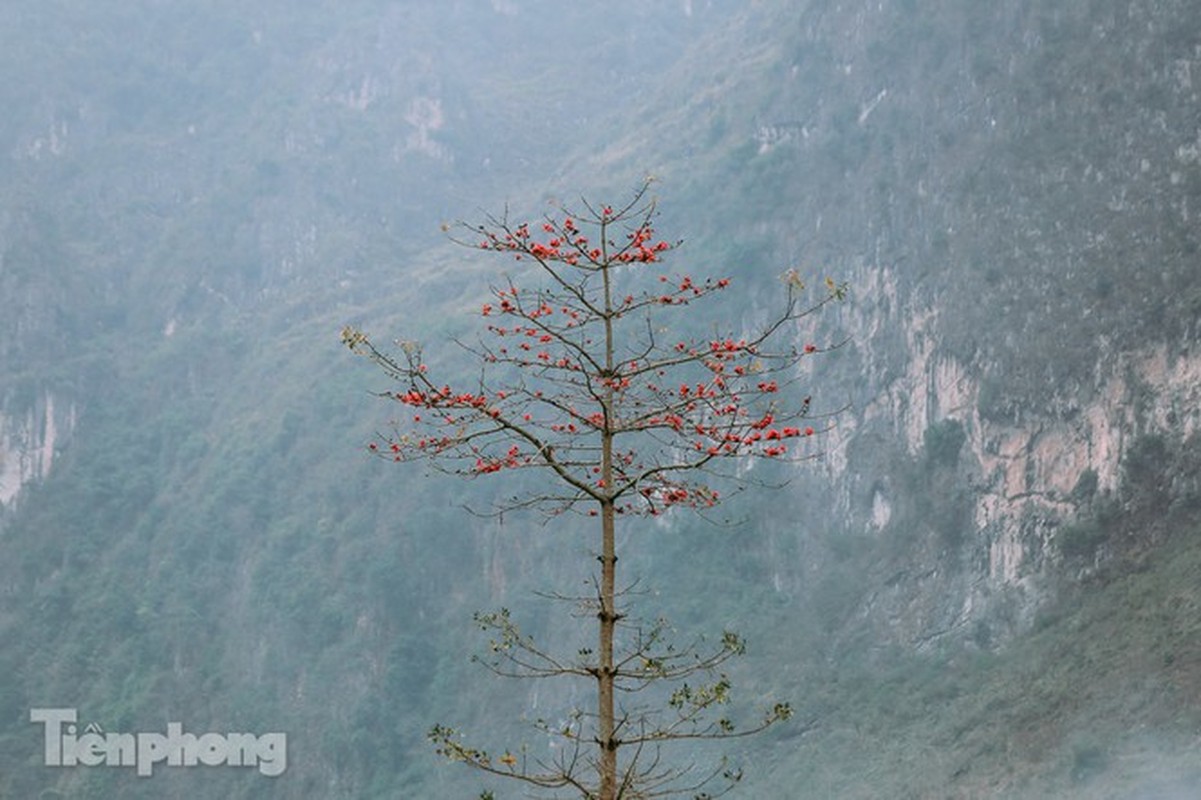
580	380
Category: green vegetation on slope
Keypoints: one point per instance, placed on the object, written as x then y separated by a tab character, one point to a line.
1102	700
213	548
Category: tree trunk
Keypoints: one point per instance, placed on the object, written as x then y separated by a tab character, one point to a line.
606	722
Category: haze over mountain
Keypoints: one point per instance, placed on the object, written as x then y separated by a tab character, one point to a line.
987	587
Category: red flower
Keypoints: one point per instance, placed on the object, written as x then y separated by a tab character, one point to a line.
810	348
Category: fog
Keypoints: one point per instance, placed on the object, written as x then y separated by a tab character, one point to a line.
975	574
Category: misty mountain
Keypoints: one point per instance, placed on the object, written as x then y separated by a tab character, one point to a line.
986	587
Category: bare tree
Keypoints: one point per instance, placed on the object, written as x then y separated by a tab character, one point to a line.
580	380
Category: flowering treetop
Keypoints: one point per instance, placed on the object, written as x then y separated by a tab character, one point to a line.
580	376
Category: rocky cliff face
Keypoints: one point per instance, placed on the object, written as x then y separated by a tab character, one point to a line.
31	438
1018	479
1010	192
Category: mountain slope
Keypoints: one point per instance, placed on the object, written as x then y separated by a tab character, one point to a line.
986	588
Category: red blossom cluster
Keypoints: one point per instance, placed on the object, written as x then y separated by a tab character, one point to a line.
563	242
404	449
511	460
440	398
670	494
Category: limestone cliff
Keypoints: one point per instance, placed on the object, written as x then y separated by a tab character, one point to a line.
30	440
1009	190
1018	479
